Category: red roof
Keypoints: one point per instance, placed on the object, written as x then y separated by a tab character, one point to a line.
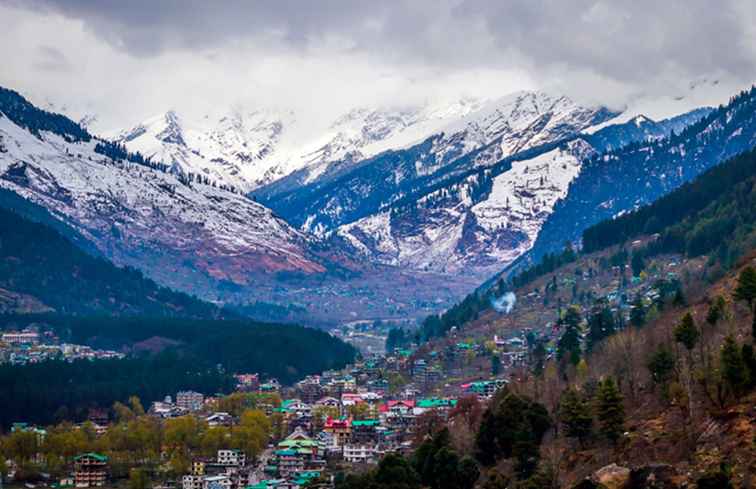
389	404
338	423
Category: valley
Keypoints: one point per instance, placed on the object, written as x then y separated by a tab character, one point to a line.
337	258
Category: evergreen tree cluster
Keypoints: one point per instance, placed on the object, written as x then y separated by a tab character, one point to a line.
512	427
435	326
24	114
397	338
577	412
714	213
198	354
549	263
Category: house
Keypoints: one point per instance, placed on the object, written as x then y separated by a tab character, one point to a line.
219	419
340	429
329	402
397	407
247	382
216	482
190	400
439	404
359	454
289	461
364	431
233	458
90	470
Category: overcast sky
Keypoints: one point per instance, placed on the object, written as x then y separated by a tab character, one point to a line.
128	59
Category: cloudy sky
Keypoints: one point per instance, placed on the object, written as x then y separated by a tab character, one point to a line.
126	60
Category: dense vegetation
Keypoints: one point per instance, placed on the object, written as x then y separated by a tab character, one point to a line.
715	185
716	214
55	391
549	263
37	260
438	325
198	354
510	427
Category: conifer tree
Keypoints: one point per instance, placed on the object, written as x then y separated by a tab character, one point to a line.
600	325
661	365
716	310
746	288
734	370
686	332
575	415
609	410
568	346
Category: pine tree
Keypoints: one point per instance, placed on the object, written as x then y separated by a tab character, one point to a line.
686	332
734	370
637	263
746	288
575	415
661	365
495	365
609	410
568	346
716	310
600	325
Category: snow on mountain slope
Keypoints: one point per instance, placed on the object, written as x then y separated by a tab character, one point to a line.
479	221
195	237
452	231
233	149
512	125
138	215
249	149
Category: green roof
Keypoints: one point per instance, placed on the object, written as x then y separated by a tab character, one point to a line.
365	422
298	443
436	402
96	456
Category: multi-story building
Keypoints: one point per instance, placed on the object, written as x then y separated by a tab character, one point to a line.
90	470
247	382
289	461
216	482
364	431
359	454
20	337
192	481
190	400
233	458
340	429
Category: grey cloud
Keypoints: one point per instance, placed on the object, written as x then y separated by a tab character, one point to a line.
51	59
615	39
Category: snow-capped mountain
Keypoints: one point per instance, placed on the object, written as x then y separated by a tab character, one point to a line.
195	236
249	149
190	232
617	181
471	198
234	149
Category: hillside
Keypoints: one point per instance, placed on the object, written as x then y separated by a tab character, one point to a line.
38	262
166	355
667	317
625	179
187	232
472	198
